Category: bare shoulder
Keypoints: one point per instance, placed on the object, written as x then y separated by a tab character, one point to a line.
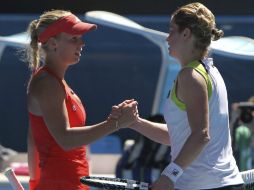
191	86
190	78
44	85
44	91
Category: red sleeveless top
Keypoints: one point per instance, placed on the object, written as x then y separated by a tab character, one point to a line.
60	169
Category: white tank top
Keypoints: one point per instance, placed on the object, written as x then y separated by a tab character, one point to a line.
215	166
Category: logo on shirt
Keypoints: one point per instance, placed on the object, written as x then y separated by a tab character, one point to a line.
74	108
175	172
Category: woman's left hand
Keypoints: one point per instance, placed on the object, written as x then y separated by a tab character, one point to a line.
116	110
162	183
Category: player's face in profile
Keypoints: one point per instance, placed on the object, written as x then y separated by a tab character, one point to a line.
70	47
173	39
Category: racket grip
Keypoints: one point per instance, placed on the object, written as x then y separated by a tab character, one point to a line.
16	185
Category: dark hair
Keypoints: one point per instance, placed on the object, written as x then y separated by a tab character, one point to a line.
201	21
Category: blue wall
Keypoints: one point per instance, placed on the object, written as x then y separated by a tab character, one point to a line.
115	66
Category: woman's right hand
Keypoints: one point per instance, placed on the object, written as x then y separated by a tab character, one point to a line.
124	113
116	111
129	114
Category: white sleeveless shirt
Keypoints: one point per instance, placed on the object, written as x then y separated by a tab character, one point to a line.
215	166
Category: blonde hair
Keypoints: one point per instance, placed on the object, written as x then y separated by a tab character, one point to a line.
35	28
201	21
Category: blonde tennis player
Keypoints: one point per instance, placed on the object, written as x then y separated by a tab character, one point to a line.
58	132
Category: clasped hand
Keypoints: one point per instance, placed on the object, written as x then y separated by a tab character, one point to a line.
126	113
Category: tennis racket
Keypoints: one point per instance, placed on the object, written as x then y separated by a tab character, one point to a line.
114	183
16	185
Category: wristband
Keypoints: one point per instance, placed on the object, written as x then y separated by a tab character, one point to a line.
33	184
172	171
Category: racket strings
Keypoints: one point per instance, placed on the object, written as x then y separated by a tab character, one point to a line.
114	183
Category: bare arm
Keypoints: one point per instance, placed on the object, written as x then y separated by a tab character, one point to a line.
50	97
155	131
192	90
33	157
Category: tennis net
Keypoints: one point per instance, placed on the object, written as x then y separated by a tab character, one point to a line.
248	178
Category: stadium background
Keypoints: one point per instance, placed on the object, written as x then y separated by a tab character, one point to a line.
115	65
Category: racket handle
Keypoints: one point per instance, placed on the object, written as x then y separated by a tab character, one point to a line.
16	185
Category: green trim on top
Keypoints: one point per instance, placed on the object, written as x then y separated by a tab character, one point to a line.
199	68
176	100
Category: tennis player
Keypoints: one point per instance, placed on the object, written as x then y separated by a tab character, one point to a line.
57	133
196	111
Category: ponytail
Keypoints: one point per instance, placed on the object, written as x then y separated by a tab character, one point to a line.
33	51
33	55
217	34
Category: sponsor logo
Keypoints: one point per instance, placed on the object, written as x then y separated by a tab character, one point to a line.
74	108
175	172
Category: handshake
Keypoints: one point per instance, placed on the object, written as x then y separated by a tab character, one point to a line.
124	114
